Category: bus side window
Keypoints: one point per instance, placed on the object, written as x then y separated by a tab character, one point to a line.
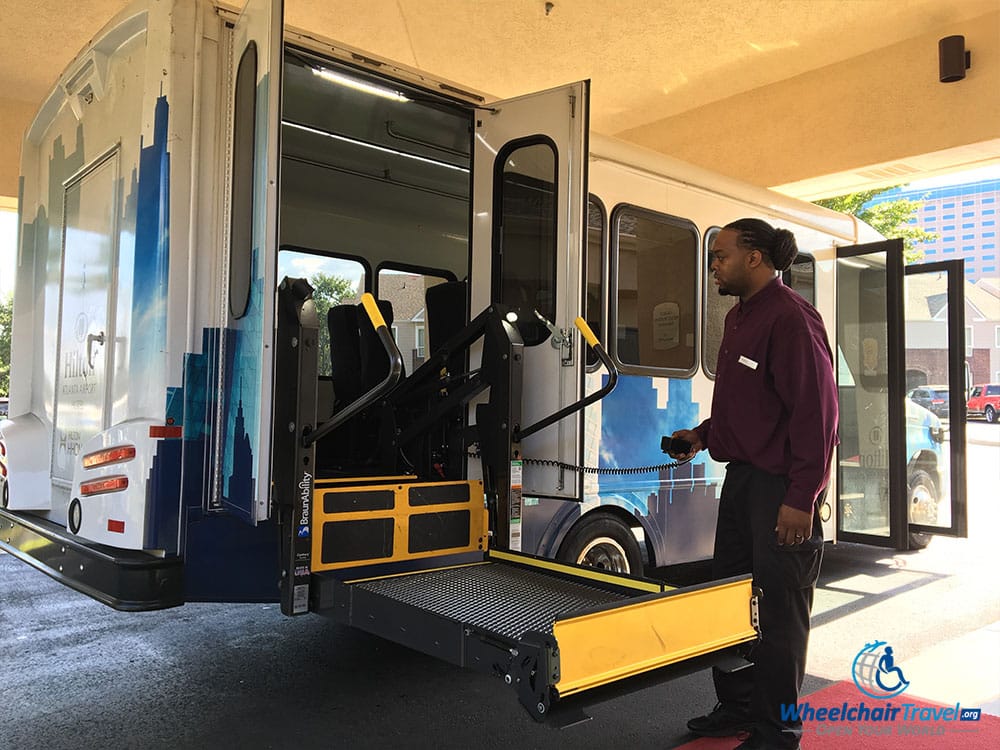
335	281
242	216
406	291
596	222
801	277
656	273
716	307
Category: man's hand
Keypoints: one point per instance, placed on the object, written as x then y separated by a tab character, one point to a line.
692	437
794	526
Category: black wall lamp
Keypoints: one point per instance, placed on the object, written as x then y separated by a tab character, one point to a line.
953	58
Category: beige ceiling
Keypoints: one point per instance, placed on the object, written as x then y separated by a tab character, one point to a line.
648	61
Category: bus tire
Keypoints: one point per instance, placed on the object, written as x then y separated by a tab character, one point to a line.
605	542
923	496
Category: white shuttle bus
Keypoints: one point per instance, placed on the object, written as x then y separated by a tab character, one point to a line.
295	324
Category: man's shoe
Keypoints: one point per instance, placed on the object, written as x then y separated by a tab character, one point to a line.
723	721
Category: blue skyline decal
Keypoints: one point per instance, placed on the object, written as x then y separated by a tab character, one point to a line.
151	264
632	425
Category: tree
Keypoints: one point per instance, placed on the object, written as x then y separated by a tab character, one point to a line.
329	291
890	219
6	317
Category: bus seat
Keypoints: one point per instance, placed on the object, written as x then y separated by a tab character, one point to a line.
345	354
447	312
374	360
359	363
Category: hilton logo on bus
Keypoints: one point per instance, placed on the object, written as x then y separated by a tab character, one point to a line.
305	496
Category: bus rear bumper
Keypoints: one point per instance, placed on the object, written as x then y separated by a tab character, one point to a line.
122	579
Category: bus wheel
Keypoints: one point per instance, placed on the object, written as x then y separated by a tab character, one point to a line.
923	506
604	542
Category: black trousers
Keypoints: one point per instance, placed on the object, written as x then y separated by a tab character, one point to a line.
745	542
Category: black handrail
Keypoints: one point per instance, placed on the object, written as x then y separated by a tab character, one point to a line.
591	339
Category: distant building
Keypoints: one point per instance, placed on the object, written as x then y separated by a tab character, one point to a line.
964	218
927	331
406	293
982	327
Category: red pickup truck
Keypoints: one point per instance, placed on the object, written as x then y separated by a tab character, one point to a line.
984	401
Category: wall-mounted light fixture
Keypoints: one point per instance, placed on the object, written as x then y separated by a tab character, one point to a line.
954	59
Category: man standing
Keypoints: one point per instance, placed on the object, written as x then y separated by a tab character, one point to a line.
774	420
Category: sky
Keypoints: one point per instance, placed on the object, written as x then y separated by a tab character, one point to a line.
957	178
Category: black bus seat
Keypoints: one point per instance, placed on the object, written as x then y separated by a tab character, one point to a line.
345	354
358	364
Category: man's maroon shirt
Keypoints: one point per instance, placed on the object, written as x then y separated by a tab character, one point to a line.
775	399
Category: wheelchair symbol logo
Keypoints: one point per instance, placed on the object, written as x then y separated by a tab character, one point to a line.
876	673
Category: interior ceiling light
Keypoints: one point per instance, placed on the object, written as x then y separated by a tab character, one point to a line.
357	85
374	146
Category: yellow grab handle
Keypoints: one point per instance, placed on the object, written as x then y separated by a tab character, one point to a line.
585	330
374	314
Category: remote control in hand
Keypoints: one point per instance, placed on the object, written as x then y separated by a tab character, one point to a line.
674	445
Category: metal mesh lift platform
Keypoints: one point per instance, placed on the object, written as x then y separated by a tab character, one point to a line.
548	629
501	599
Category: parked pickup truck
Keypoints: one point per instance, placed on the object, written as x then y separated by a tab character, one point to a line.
984	401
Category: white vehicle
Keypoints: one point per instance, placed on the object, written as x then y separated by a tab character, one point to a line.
202	411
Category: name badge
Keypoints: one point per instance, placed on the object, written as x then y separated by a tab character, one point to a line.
747	362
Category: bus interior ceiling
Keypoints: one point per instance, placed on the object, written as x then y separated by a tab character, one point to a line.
375	178
372	169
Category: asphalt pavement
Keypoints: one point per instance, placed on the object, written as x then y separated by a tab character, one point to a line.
75	674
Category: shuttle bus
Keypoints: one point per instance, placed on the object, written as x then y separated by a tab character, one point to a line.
295	324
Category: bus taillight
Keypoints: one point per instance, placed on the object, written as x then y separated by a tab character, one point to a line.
103	485
109	456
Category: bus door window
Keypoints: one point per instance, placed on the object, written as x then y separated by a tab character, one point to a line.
526	250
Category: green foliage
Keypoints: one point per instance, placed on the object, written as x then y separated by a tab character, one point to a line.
890	219
6	317
329	291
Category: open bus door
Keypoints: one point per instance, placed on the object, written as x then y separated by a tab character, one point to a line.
529	189
900	468
246	350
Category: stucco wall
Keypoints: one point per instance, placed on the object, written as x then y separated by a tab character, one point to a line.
15	117
882	106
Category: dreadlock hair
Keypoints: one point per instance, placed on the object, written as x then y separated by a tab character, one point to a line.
776	245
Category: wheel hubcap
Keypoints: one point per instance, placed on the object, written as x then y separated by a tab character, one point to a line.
923	505
604	553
